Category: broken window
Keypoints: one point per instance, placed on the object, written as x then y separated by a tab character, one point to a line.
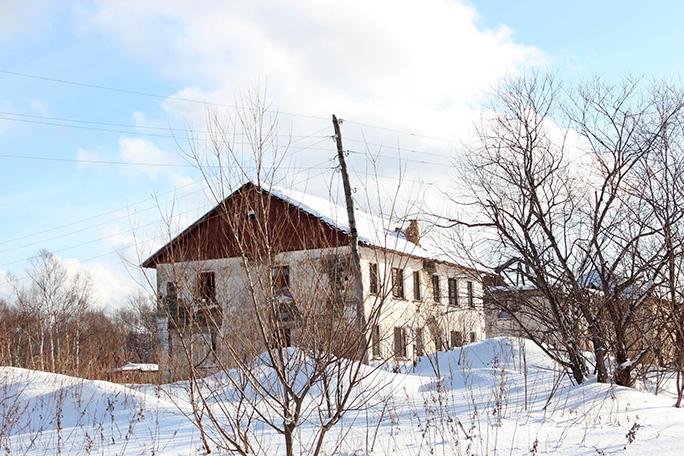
206	288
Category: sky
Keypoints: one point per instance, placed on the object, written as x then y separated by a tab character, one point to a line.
98	100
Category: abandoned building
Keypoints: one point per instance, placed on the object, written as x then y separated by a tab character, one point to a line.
290	253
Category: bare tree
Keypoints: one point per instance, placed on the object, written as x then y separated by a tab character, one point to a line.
278	326
551	176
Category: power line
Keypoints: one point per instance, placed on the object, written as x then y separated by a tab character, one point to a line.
128	132
408	133
318	166
157	237
209	103
112	124
144	94
120	163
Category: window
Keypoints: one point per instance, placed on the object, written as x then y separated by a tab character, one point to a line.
398	283
374	278
287	337
171	293
213	342
281	281
416	285
399	342
456	339
375	342
419	342
473	337
281	337
453	292
435	288
471	300
206	287
506	309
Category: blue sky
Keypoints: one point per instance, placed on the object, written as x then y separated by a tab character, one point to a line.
90	173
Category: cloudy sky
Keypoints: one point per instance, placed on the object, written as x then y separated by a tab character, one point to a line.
97	99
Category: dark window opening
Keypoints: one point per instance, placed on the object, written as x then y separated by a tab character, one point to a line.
207	288
419	342
416	285
456	339
281	281
400	342
473	337
374	278
398	283
375	341
471	300
453	292
435	288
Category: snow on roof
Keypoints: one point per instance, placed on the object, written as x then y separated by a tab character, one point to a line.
372	230
140	367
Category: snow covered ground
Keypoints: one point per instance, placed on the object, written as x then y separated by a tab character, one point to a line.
500	396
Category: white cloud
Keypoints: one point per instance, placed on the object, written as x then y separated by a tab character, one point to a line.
28	16
111	287
399	63
144	157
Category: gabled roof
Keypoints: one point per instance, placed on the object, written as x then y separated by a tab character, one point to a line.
374	231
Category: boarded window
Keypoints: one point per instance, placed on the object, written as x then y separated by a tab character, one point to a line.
453	292
435	288
374	278
416	286
281	281
375	341
206	287
398	283
399	342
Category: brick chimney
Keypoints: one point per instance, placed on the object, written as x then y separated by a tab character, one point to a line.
412	233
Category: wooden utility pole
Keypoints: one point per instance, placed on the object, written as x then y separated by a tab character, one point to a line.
354	241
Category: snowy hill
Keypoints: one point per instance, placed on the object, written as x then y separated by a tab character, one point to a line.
500	396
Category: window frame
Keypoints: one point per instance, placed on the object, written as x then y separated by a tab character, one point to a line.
206	287
417	295
280	277
398	283
376	350
400	336
452	285
373	277
436	288
456	339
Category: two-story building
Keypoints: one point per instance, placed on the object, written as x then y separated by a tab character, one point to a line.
268	264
